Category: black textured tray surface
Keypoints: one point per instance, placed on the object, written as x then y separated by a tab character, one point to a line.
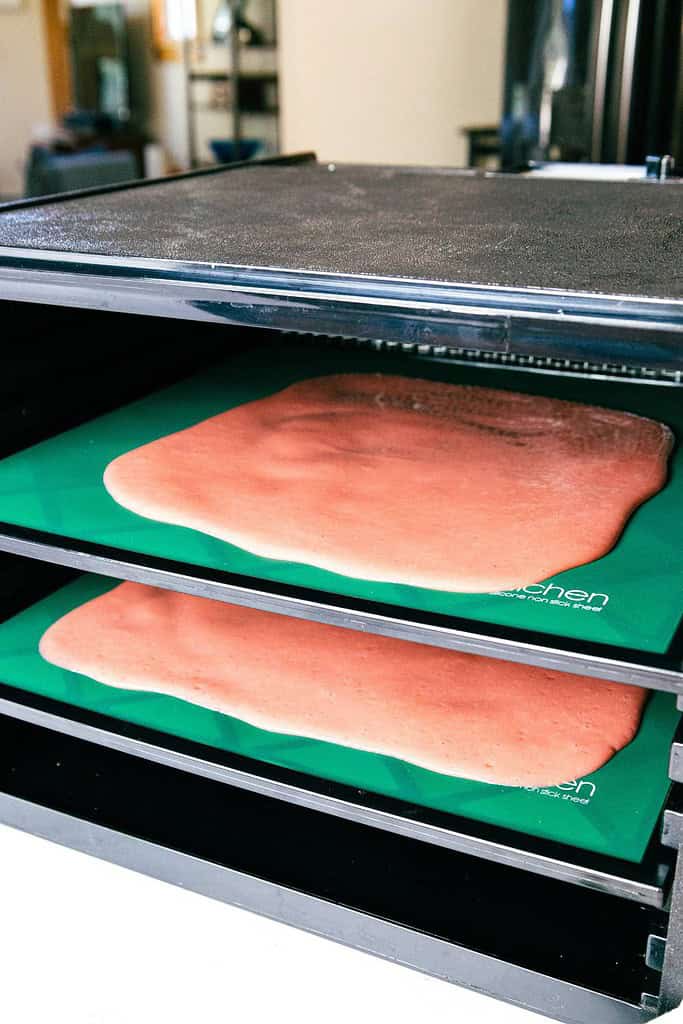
607	237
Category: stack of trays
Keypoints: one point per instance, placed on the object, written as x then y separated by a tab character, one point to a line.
376	639
57	501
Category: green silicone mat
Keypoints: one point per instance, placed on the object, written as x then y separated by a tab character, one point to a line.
634	593
613	811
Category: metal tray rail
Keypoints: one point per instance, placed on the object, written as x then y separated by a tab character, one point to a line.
658	672
646	883
602	329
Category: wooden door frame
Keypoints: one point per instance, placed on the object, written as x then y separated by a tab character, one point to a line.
58	62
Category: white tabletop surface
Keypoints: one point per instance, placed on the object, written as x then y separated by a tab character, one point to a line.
85	942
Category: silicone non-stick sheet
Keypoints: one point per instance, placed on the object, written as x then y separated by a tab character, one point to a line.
633	595
613	811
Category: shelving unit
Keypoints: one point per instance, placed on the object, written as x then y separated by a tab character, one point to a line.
580	936
232	87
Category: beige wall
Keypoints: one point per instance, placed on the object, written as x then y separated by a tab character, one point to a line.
391	81
24	89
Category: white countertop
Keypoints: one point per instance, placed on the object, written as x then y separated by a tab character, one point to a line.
85	942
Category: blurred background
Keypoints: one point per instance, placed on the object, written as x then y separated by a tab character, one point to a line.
101	92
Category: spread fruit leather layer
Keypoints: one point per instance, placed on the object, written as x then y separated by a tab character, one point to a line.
612	810
335	471
456	713
627	596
